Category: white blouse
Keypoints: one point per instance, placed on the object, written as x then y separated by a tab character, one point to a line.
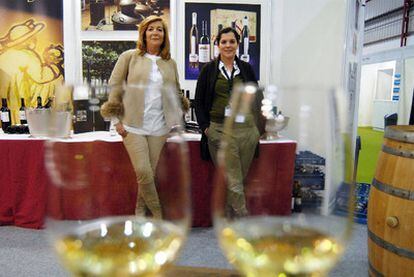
154	121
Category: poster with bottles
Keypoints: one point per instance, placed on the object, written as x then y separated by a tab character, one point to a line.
125	15
31	52
203	21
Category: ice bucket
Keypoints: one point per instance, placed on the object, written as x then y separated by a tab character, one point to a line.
274	126
45	123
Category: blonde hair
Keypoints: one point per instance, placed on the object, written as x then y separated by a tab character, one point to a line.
142	44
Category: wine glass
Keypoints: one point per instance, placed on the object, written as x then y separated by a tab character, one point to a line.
289	214
96	224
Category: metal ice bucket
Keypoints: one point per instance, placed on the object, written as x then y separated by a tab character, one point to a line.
273	126
45	123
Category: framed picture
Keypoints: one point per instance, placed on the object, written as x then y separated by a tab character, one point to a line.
204	19
99	58
112	15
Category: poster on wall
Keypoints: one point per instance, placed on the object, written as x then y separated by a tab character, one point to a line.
202	24
31	51
124	15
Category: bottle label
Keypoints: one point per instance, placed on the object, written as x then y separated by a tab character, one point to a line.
5	117
193	58
81	116
204	51
22	115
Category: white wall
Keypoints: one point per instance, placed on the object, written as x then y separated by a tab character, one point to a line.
311	38
404	65
308	49
369	78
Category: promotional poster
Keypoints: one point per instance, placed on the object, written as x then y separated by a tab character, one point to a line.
202	24
31	51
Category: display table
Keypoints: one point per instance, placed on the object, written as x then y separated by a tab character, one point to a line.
25	184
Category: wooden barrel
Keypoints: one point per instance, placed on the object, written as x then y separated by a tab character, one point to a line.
391	206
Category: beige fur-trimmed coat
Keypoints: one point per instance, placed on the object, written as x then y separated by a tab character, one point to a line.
127	102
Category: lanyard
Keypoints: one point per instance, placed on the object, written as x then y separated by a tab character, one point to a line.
229	79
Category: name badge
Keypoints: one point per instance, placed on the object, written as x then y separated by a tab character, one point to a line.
227	111
240	118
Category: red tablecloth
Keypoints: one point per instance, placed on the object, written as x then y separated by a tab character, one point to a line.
24	182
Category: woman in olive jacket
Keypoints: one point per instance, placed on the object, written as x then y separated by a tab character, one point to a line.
213	92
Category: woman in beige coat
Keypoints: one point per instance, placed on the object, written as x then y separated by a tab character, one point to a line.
140	112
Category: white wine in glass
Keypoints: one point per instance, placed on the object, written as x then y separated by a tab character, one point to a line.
120	246
92	202
309	239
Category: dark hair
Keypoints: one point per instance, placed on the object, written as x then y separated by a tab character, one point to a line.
228	30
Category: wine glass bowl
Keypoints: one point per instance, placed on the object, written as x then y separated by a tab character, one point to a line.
120	246
268	239
275	125
91	217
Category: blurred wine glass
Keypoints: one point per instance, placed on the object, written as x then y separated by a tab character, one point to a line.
92	200
309	160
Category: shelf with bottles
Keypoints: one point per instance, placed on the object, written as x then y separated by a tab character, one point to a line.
309	178
190	121
7	125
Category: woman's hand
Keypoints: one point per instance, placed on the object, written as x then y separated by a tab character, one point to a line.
206	131
120	129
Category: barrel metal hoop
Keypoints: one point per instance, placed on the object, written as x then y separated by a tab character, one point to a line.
398	152
396	134
374	270
402	252
394	191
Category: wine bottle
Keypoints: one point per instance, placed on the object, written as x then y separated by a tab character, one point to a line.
49	102
5	115
22	112
187	115
204	46
297	197
193	57
233	25
216	51
39	103
192	109
244	45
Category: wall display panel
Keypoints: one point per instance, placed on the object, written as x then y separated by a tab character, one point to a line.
31	51
202	23
99	57
125	15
